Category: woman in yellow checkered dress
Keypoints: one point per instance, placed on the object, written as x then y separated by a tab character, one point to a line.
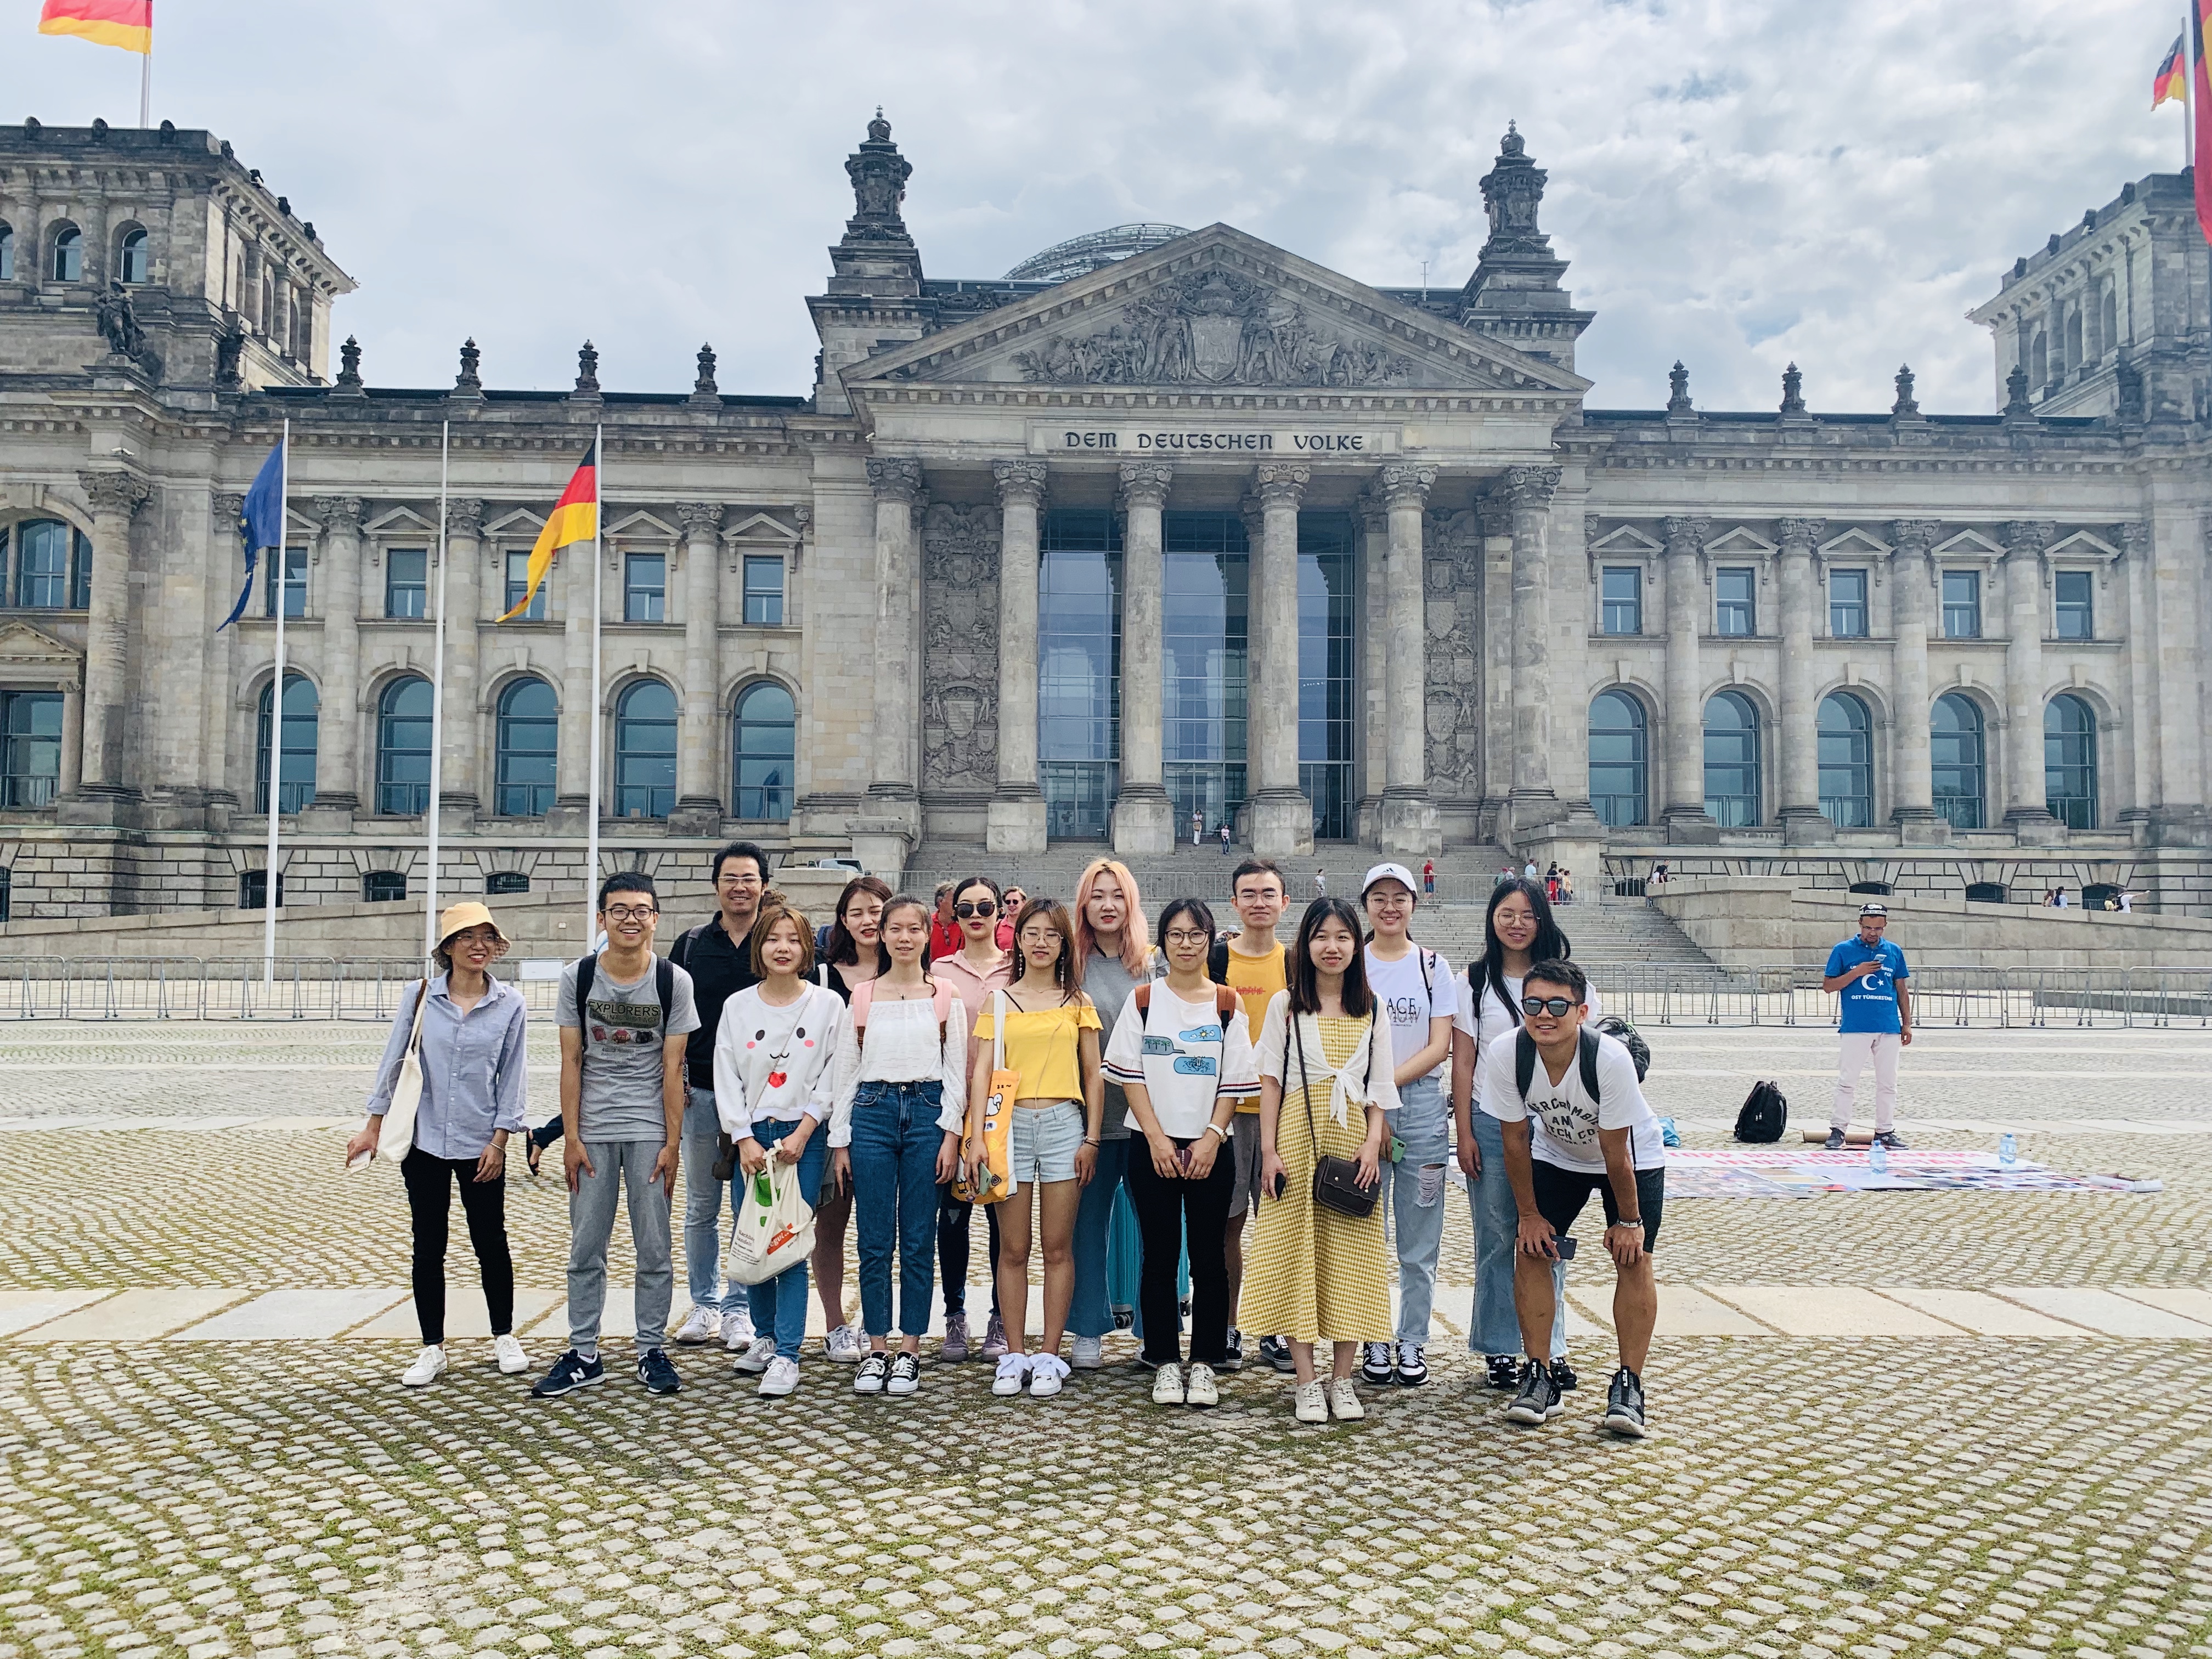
1325	1072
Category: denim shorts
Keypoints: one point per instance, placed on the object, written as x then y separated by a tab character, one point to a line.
1042	1140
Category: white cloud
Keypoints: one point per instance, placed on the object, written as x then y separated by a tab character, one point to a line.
1737	185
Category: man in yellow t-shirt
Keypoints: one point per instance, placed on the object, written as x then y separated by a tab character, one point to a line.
1252	964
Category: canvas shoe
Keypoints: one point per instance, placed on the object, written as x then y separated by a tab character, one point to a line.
737	1329
703	1325
1889	1137
1344	1400
429	1365
1090	1352
1276	1352
1013	1372
875	1370
1834	1142
906	1374
781	1377
1047	1373
570	1371
509	1356
954	1348
844	1345
1198	1386
1624	1405
1503	1369
1412	1368
1538	1401
1234	1360
755	1359
658	1375
994	1337
1375	1364
1311	1403
1167	1385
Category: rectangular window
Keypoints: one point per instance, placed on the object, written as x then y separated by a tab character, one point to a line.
1962	604
1732	600
30	747
1079	670
645	587
294	582
407	582
517	584
1328	691
2076	619
1847	603
253	890
1623	611
764	592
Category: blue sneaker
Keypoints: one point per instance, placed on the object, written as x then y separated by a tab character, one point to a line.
656	1373
570	1371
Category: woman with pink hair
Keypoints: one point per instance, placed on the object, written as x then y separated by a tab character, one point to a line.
1114	950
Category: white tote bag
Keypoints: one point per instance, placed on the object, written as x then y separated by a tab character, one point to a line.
398	1136
774	1229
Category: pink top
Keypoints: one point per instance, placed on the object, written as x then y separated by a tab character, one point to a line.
974	989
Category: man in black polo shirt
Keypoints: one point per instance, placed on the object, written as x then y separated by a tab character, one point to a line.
718	954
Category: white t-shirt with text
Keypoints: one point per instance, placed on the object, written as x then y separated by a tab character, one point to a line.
1413	1004
1566	1120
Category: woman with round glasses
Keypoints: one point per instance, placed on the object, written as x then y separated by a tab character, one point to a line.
978	967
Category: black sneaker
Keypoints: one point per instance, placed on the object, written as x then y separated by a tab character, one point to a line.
1505	1369
570	1371
1276	1352
1234	1360
1834	1142
1624	1405
1892	1140
1538	1401
1563	1376
1375	1364
875	1370
656	1373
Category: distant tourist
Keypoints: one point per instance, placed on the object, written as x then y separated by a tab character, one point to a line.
2058	898
1869	972
1197	828
1321	883
1566	886
1659	873
1225	838
1428	875
1528	871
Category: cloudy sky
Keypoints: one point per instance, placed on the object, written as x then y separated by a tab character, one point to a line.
1737	185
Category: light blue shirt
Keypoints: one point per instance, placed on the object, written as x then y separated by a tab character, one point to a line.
472	1068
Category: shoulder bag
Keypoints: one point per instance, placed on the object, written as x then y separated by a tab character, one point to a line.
994	1179
1335	1180
397	1138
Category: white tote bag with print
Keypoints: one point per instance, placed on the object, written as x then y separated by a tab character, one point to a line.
775	1227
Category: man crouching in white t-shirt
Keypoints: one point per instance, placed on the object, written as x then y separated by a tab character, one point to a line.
1564	1140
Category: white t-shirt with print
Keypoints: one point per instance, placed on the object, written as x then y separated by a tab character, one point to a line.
1398	985
1183	1054
1566	1120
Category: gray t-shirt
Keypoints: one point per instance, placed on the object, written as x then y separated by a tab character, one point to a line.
1109	983
620	1099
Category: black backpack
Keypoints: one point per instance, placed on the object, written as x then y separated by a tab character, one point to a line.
1624	1032
1765	1116
1524	1063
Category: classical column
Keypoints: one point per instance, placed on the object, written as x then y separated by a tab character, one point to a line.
893	800
217	710
115	498
698	810
1015	820
1281	816
2140	656
1686	816
1374	664
2026	812
458	795
337	732
1911	784
1494	516
1409	816
1528	491
1795	737
1143	814
2175	580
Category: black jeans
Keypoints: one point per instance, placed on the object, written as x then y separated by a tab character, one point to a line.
953	1219
1169	1215
484	1203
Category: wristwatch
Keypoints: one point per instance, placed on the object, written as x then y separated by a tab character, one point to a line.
1630	1221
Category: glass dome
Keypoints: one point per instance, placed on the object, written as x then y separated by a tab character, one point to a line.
1086	253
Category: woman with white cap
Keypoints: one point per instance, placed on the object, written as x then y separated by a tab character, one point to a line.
469	1040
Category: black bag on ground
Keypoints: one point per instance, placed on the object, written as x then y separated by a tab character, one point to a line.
1765	1116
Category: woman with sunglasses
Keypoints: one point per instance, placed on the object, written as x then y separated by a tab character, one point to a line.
1518	929
1326	1090
979	966
852	955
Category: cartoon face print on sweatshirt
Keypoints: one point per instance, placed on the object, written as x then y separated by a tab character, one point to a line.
781	1046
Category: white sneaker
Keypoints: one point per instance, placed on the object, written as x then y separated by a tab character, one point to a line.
737	1328
782	1376
1167	1385
1090	1352
429	1365
1344	1400
844	1345
1199	1389
509	1354
755	1359
874	1371
1046	1373
704	1325
1312	1403
1013	1371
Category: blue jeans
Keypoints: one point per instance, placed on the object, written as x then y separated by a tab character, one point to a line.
1493	1326
1415	1186
1090	1313
702	1205
779	1305
894	1151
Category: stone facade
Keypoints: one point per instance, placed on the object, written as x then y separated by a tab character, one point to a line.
862	564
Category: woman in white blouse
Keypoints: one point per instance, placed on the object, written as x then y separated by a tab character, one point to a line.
899	1100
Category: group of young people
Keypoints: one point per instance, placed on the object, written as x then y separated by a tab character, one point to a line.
1265	1103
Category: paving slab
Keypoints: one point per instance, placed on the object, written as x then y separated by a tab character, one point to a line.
20	1310
135	1315
292	1316
1981	1313
466	1316
2106	1312
618	1318
1687	1310
2188	1302
1829	1310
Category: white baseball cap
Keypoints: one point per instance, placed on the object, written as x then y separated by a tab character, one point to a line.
1397	872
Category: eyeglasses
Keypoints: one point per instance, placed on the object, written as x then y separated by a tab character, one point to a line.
980	907
738	881
1555	1006
631	912
1187	936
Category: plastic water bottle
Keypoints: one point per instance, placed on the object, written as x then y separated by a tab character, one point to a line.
2007	1150
1878	1159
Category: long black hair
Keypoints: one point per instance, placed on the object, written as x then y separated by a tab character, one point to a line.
1305	978
1548	945
842	949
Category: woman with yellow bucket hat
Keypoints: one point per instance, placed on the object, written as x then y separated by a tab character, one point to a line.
465	1031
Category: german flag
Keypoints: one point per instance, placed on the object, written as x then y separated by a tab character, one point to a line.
2172	81
125	23
575	519
2200	108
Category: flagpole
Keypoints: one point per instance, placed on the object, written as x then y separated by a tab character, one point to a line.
591	843
2191	46
438	694
146	83
277	710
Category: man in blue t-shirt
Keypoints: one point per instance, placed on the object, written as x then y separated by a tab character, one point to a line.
1869	973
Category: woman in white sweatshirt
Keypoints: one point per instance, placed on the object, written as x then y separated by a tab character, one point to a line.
773	1051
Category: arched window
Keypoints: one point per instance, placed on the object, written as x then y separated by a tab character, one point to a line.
2069	760
403	747
133	258
1954	754
297	768
69	255
528	748
645	751
2039	360
1732	761
764	747
2073	337
7	252
1620	769
53	565
2108	320
1846	762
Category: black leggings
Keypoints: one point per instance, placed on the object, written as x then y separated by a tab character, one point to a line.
952	1223
484	1203
1171	1216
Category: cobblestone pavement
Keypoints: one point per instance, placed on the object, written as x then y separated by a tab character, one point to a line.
1814	1495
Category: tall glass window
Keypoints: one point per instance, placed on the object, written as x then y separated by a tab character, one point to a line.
1958	776
2076	618
294	582
517	584
296	763
528	745
1327	689
763	591
765	745
1732	600
2069	760
133	262
1732	761
1846	745
645	751
1205	610
645	587
1619	767
403	747
407	582
69	255
1623	610
1962	604
1847	603
53	565
30	747
1080	669
7	254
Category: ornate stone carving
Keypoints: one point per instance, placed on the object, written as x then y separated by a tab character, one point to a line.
350	365
1798	535
341	514
895	478
1793	390
704	386
1531	486
1214	328
2026	539
119	493
1277	483
960	656
878	173
1019	480
587	371
1678	390
465	516
1905	407
1685	533
2017	406
2135	539
229	347
1403	484
117	319
228	511
1452	713
699	518
1913	536
1512	191
468	380
1145	483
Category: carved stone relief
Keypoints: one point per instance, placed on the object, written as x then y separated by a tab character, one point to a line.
960	647
1454	714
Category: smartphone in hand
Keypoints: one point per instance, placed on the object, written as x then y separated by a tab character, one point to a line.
1282	1185
1563	1246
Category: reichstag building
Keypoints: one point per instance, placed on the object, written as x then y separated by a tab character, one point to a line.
1162	525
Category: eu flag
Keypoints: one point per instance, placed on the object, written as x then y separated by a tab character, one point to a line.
261	524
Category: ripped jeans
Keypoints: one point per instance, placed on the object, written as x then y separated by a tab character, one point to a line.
1416	1192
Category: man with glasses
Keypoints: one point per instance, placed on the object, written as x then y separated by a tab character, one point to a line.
1575	1121
718	956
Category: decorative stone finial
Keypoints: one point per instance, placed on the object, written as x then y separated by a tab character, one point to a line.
2016	403
587	371
878	173
467	380
1793	390
879	130
1905	407
1512	191
704	386
350	364
1678	390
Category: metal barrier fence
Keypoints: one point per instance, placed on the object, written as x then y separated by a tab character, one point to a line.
222	988
1197	877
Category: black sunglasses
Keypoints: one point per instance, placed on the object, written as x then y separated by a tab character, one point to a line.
976	907
1555	1006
